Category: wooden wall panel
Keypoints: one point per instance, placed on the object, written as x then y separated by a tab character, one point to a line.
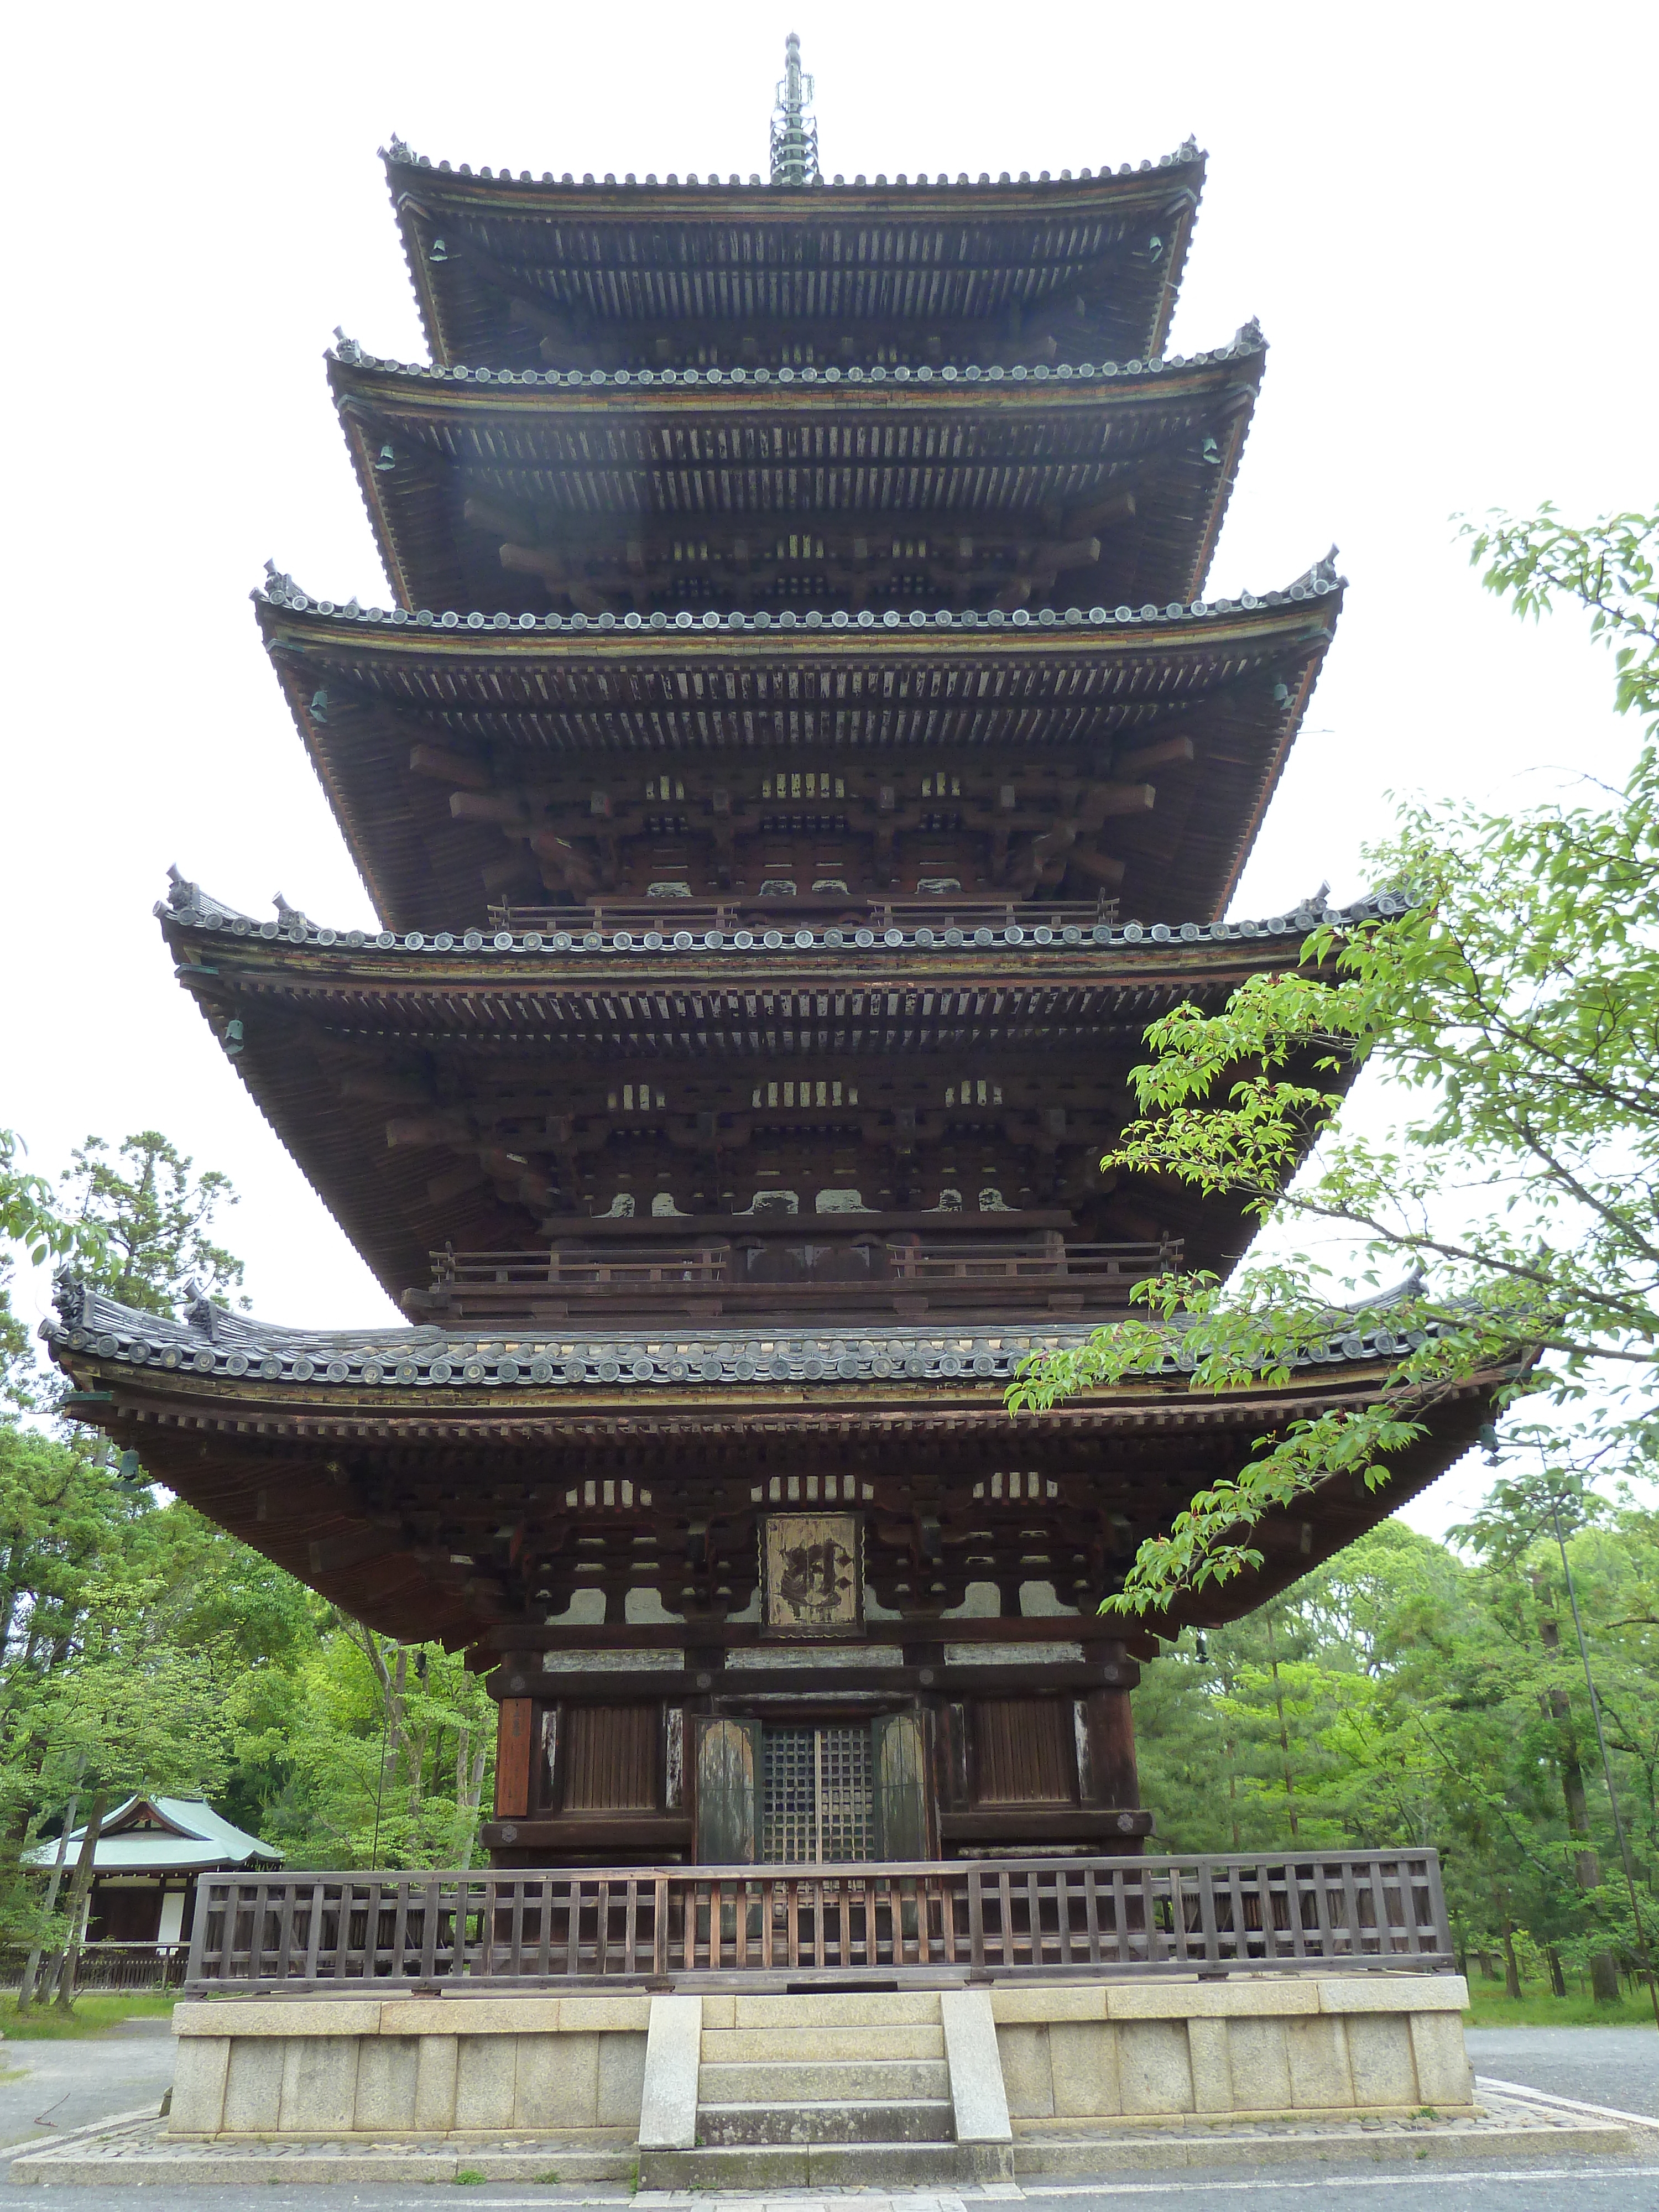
1023	1752
513	1733
611	1758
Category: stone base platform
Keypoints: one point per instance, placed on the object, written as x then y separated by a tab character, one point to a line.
915	2088
135	2149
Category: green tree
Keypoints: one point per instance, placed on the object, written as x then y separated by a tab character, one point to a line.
30	1218
133	1710
151	1217
379	1753
1508	991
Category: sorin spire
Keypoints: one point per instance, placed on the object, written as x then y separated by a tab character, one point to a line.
794	133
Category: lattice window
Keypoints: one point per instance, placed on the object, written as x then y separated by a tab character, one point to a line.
973	1090
635	1098
817	1801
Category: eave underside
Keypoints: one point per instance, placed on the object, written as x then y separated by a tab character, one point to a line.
466	1519
508	724
503	1107
976	497
612	275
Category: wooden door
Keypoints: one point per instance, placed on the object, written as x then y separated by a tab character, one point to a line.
901	1787
727	1754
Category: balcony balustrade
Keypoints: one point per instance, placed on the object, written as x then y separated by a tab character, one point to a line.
803	1271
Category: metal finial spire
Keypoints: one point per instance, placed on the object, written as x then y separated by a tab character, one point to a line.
794	133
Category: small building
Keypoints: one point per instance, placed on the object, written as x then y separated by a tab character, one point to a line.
143	1883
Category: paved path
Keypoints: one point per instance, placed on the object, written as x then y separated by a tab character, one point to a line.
1589	2185
1617	2066
66	2085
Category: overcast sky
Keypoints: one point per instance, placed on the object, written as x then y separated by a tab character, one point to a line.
1443	216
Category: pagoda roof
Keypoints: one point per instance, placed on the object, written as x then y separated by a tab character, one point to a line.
504	486
276	1433
589	263
1227	679
365	1052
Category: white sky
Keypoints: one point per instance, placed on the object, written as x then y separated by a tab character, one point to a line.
1442	215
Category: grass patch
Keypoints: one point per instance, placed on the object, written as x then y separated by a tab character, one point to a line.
468	2175
93	2013
1488	2007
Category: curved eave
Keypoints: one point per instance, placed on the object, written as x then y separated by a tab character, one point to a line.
267	1461
327	966
335	1044
608	452
550	234
634	694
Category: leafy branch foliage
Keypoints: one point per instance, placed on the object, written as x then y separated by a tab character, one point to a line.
1405	1695
1512	1010
142	1648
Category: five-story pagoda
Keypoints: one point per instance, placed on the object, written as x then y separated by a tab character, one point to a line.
796	685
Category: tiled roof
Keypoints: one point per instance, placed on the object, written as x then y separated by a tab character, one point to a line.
199	1837
1321	581
189	906
1186	156
809	379
213	1342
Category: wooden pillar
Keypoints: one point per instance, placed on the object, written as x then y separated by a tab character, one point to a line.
1112	1779
1107	1776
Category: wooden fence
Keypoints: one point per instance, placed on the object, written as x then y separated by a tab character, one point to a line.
933	1921
106	1965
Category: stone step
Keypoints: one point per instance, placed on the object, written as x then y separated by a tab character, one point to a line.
865	2120
734	2046
807	2080
824	2166
834	2009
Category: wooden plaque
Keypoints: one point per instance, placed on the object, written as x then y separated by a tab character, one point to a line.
813	1574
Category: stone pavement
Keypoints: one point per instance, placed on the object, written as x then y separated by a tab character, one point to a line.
1603	2065
62	2086
133	2150
1570	2184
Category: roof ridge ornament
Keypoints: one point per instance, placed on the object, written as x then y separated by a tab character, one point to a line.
794	132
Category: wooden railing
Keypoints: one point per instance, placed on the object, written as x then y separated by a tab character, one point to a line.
940	913
1367	1910
805	1271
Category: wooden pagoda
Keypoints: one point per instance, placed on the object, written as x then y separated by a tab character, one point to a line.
797	764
